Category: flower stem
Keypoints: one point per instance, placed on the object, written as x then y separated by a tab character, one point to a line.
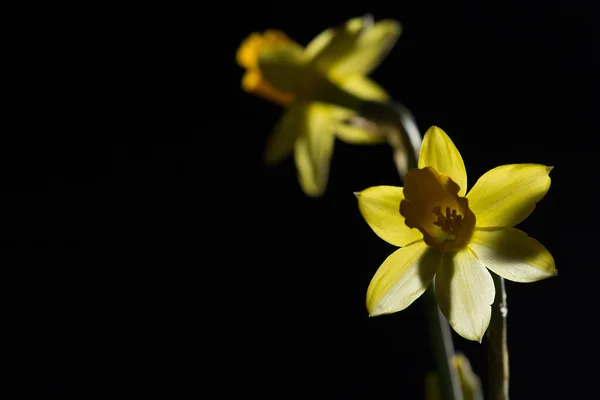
497	346
402	133
443	348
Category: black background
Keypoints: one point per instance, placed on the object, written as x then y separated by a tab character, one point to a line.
149	252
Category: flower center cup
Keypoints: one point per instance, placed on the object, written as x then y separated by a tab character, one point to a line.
431	204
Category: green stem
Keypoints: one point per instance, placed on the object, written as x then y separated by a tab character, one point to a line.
497	345
443	348
398	124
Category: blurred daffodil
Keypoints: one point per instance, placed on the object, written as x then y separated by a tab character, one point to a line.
314	83
450	238
469	382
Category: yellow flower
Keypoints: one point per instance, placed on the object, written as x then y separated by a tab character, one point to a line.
309	82
451	238
469	381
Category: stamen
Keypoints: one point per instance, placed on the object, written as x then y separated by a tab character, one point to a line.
450	223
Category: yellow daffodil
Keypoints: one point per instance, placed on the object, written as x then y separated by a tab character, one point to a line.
312	82
450	238
469	381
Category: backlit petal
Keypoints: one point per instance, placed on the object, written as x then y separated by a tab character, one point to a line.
469	381
506	195
314	148
282	65
465	291
352	128
438	151
355	134
512	254
371	46
334	44
306	169
281	142
363	87
380	207
317	45
402	278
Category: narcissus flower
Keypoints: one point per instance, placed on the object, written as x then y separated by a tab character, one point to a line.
449	238
469	381
312	82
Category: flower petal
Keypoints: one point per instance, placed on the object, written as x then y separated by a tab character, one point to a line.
314	147
469	381
506	195
291	125
465	291
320	42
306	169
438	151
282	65
352	132
370	48
333	44
380	207
512	254
402	278
352	128
363	87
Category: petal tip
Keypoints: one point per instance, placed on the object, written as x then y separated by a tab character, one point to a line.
397	26
434	129
373	309
475	337
394	27
469	335
315	194
376	313
549	168
356	194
